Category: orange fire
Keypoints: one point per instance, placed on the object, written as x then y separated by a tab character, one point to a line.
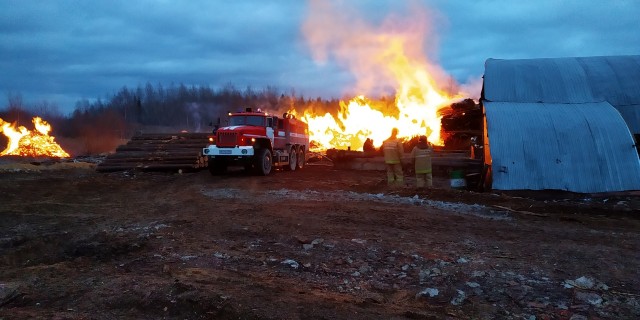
27	143
358	120
389	56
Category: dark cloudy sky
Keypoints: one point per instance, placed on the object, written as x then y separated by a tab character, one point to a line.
63	51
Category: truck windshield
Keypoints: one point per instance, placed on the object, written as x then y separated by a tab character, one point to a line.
246	120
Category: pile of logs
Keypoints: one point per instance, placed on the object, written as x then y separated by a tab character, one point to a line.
157	151
441	160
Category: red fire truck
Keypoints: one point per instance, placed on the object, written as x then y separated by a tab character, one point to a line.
259	141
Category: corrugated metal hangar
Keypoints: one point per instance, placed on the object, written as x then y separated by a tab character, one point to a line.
562	123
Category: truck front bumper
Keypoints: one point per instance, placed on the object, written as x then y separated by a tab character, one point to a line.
237	151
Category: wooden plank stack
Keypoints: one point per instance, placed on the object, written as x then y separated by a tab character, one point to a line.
159	152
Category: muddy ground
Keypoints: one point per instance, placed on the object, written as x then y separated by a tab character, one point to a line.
316	244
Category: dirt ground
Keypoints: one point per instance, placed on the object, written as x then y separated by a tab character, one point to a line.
315	244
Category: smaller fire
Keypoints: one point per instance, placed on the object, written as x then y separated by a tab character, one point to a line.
31	143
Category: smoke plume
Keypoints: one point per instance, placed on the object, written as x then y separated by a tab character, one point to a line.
335	31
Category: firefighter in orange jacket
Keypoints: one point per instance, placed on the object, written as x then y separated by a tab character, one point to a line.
421	155
393	151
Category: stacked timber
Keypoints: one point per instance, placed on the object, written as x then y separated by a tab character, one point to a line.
159	151
440	160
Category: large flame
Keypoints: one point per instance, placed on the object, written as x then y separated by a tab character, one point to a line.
31	143
389	56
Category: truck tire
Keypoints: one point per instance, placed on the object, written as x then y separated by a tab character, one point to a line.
263	162
301	158
217	166
293	160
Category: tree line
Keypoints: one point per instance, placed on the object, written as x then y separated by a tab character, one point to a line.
102	124
156	108
149	107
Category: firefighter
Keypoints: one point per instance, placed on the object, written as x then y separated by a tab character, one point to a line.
368	146
421	155
393	151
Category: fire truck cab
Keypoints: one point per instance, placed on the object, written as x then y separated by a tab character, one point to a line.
259	141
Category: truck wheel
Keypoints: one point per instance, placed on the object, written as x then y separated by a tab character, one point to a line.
301	159
293	160
263	162
217	166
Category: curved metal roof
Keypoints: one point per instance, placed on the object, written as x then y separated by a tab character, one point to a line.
615	79
575	147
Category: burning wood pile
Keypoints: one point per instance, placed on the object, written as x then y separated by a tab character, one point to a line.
397	83
156	151
23	142
462	124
